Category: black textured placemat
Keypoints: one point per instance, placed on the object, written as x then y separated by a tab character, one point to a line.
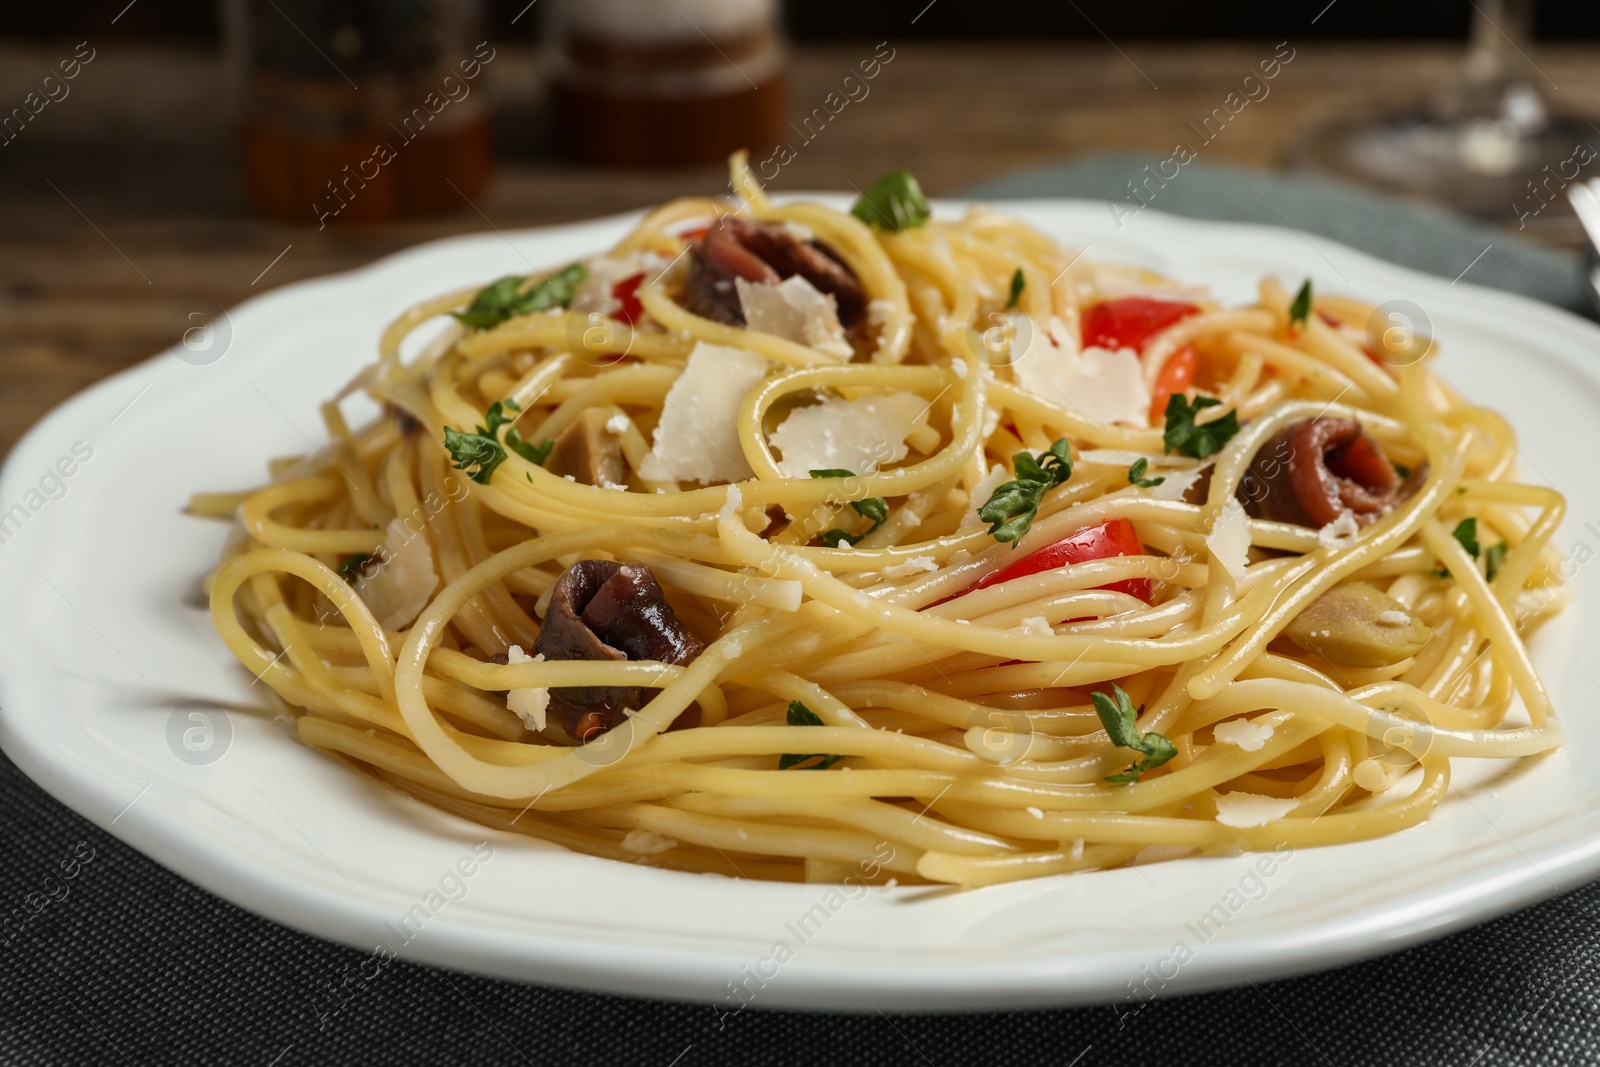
106	957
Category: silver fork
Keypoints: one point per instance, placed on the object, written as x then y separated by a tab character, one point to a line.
1585	197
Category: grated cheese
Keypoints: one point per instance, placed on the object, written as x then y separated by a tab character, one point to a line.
1337	533
697	439
528	704
617	425
1247	735
1393	618
914	565
859	435
1036	626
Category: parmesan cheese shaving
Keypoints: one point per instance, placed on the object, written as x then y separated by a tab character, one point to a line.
980	496
1106	387
859	436
528	704
401	578
1247	735
647	843
795	310
1245	810
1229	539
697	439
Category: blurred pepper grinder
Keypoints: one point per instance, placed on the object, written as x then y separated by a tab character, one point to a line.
663	82
361	110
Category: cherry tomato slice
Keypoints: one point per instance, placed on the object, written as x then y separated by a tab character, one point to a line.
1115	537
626	294
1177	375
1130	321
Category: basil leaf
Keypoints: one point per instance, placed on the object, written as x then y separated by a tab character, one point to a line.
1012	507
535	454
875	508
501	299
1121	724
800	715
1186	438
350	569
1136	474
893	202
1300	310
474	450
1018	283
1493	560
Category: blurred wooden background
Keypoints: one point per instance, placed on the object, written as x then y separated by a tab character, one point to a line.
123	200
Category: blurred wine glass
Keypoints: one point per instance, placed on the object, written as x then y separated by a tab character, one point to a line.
1490	145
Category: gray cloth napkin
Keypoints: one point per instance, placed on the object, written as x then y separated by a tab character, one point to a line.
1415	235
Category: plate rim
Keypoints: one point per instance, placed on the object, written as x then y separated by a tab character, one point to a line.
912	986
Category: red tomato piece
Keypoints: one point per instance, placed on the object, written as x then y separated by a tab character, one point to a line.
1177	375
626	294
1115	537
1130	321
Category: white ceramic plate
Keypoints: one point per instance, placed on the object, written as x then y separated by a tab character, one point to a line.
103	661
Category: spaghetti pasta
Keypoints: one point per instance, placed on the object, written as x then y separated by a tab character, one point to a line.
1013	602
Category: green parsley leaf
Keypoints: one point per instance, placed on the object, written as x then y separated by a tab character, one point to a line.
875	508
893	202
501	299
350	569
474	450
482	449
1121	723
800	715
1300	310
1401	469
1466	533
1012	507
535	454
1018	283
1493	560
1136	474
1186	438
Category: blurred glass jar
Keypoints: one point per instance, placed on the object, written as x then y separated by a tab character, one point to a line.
663	82
355	111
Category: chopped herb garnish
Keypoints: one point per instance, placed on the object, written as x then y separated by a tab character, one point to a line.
535	454
893	202
1493	559
1198	441
498	301
474	450
1018	283
1300	310
800	715
1121	722
350	569
1136	474
1466	532
1011	508
875	508
481	450
1401	469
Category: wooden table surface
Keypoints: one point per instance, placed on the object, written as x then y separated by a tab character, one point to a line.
122	201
